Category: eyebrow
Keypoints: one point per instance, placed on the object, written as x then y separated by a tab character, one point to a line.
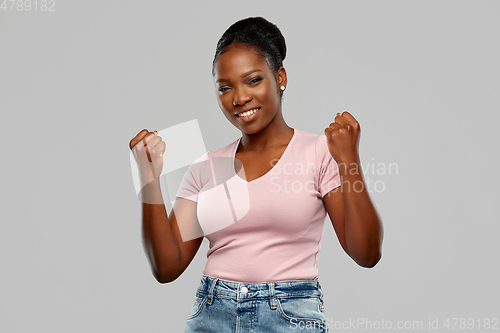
243	75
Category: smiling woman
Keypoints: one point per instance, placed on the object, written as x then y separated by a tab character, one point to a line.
265	222
248	92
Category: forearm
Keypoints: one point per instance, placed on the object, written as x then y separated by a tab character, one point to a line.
363	227
159	241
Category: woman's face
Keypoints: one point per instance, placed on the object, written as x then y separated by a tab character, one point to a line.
244	82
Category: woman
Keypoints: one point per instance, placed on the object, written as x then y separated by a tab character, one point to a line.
261	272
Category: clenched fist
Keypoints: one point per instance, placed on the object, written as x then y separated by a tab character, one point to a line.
342	138
148	149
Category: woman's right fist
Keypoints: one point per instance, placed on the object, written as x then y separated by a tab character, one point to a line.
148	149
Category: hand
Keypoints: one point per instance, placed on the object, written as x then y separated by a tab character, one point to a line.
342	138
148	148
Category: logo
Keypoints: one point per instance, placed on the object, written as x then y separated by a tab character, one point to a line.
205	193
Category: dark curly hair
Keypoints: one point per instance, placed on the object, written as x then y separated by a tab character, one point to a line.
258	33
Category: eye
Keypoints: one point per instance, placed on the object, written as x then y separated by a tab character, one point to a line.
255	80
223	89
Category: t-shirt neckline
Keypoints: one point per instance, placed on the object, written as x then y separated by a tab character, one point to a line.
237	143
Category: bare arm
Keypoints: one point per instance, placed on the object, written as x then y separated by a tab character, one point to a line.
354	218
350	208
167	253
165	249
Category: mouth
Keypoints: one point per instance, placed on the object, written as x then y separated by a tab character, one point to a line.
248	114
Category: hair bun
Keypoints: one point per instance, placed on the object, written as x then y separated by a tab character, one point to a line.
262	26
269	30
258	32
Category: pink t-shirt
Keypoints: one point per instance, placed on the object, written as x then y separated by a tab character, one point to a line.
268	229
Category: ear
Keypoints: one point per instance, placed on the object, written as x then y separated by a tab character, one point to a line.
282	80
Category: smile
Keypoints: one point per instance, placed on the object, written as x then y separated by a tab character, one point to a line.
248	113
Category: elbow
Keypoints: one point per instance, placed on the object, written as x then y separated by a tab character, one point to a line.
166	272
165	278
371	261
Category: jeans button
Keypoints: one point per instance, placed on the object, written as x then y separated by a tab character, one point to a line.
244	290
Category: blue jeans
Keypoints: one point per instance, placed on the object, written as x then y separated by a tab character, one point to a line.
223	306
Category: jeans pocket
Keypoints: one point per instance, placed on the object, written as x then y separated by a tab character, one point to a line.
302	310
200	300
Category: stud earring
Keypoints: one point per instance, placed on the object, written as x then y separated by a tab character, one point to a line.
282	87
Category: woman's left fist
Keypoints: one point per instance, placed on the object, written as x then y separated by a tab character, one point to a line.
342	138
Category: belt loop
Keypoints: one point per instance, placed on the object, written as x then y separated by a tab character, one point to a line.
272	295
320	290
211	291
321	297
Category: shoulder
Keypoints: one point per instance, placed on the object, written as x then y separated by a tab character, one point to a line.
311	142
308	137
313	147
200	163
225	151
201	169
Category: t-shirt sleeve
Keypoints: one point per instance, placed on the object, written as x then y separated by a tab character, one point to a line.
328	171
194	179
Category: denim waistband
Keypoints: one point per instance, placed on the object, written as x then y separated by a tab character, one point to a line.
247	290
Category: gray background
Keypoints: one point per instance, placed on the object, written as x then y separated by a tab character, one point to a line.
77	84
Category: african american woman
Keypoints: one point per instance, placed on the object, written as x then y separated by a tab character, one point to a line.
265	216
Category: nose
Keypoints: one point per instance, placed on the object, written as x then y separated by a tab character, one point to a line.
241	96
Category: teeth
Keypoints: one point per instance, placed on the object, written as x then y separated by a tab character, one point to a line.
247	113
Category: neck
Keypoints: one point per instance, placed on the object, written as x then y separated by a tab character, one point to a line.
277	133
